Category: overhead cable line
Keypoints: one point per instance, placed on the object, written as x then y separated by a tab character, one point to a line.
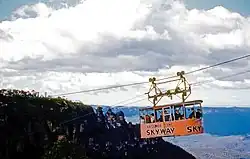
100	89
116	104
132	99
133	102
221	63
194	84
79	117
220	78
91	113
139	100
138	83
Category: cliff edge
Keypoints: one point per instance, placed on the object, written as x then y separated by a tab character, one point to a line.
54	128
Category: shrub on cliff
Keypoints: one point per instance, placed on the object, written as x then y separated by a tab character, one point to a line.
30	126
63	149
29	122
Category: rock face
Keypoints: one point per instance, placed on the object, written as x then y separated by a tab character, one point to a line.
116	139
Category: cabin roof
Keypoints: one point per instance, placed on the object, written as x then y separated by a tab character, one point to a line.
187	103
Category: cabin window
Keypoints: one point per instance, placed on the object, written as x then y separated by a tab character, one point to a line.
193	111
179	113
189	111
158	115
147	116
198	111
168	114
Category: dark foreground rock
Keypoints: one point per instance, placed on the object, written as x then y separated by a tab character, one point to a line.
31	126
119	139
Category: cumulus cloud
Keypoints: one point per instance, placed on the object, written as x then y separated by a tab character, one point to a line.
32	11
94	43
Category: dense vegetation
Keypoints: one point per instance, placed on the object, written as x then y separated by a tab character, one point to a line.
30	124
36	127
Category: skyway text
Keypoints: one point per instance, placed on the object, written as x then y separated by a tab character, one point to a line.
166	131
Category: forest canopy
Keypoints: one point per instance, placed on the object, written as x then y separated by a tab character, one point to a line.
29	121
33	126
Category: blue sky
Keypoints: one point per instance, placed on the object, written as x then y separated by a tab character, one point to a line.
7	6
240	6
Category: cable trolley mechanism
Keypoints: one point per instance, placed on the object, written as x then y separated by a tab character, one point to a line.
174	119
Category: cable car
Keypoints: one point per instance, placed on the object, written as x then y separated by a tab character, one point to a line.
176	119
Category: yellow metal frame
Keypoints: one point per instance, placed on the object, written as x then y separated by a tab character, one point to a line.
185	91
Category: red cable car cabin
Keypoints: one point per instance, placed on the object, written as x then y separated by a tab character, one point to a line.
179	119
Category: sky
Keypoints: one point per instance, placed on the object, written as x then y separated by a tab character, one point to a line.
239	6
66	46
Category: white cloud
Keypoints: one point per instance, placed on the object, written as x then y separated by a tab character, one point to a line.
32	11
98	43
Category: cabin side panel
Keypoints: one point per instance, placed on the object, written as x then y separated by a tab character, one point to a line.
175	128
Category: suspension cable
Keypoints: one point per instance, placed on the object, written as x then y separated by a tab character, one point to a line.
139	100
127	100
194	84
138	83
220	78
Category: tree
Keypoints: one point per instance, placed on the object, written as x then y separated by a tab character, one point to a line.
30	122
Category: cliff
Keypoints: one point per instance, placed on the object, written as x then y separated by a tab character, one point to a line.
55	128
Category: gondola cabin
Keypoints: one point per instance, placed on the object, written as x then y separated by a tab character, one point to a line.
179	119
